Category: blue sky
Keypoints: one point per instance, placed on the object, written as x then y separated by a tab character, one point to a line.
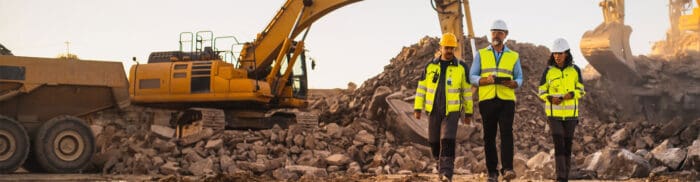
353	43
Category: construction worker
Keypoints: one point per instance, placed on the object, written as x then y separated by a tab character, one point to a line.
561	88
496	71
445	94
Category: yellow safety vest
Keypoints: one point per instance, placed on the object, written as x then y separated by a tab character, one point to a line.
557	83
458	90
503	69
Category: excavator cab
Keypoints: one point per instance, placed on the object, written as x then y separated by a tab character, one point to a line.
299	83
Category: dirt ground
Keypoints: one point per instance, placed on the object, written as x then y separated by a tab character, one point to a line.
243	177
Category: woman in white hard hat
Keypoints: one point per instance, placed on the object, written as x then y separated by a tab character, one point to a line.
560	88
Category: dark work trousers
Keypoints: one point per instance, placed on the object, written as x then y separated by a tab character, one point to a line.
442	131
562	135
497	113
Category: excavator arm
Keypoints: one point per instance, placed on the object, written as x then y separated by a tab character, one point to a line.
264	58
607	47
293	18
451	19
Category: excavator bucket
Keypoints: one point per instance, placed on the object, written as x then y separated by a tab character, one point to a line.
409	129
607	49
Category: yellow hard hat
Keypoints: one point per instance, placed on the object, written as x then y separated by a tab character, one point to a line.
448	40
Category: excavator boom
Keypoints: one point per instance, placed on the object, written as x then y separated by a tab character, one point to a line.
293	18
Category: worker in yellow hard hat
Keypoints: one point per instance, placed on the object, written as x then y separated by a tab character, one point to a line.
497	72
445	94
560	88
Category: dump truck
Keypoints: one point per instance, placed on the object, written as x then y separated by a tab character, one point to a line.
42	105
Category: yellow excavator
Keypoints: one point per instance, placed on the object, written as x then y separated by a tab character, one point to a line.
265	85
607	47
684	34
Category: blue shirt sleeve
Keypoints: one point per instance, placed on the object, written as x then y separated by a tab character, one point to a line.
518	73
475	70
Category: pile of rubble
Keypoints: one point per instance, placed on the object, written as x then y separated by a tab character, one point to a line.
355	137
135	144
604	128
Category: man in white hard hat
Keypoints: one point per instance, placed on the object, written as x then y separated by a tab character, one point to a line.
497	72
560	88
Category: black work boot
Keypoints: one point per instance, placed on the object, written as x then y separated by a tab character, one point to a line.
492	178
509	175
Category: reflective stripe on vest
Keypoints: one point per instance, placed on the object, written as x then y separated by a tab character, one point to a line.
503	69
456	74
559	83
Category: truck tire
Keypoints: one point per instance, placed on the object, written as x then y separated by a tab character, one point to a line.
14	145
64	144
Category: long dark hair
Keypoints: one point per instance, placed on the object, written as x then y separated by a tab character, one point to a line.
568	62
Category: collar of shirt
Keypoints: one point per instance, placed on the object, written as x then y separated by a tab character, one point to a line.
498	54
505	48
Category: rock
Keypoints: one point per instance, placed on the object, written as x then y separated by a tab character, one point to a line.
520	163
353	168
620	137
192	156
308	170
333	130
378	102
257	167
690	133
163	146
214	144
310	142
364	138
337	159
405	172
673	127
692	160
169	168
202	167
672	157
194	138
665	145
163	131
543	163
299	140
587	139
537	161
161	118
225	162
283	174
617	164
659	170
96	129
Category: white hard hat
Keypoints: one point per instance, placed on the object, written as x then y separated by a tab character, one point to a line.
499	25
560	45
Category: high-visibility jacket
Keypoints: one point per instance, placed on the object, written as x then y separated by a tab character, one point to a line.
558	82
458	91
503	69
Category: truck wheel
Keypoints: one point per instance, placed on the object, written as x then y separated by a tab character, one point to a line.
14	145
64	144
